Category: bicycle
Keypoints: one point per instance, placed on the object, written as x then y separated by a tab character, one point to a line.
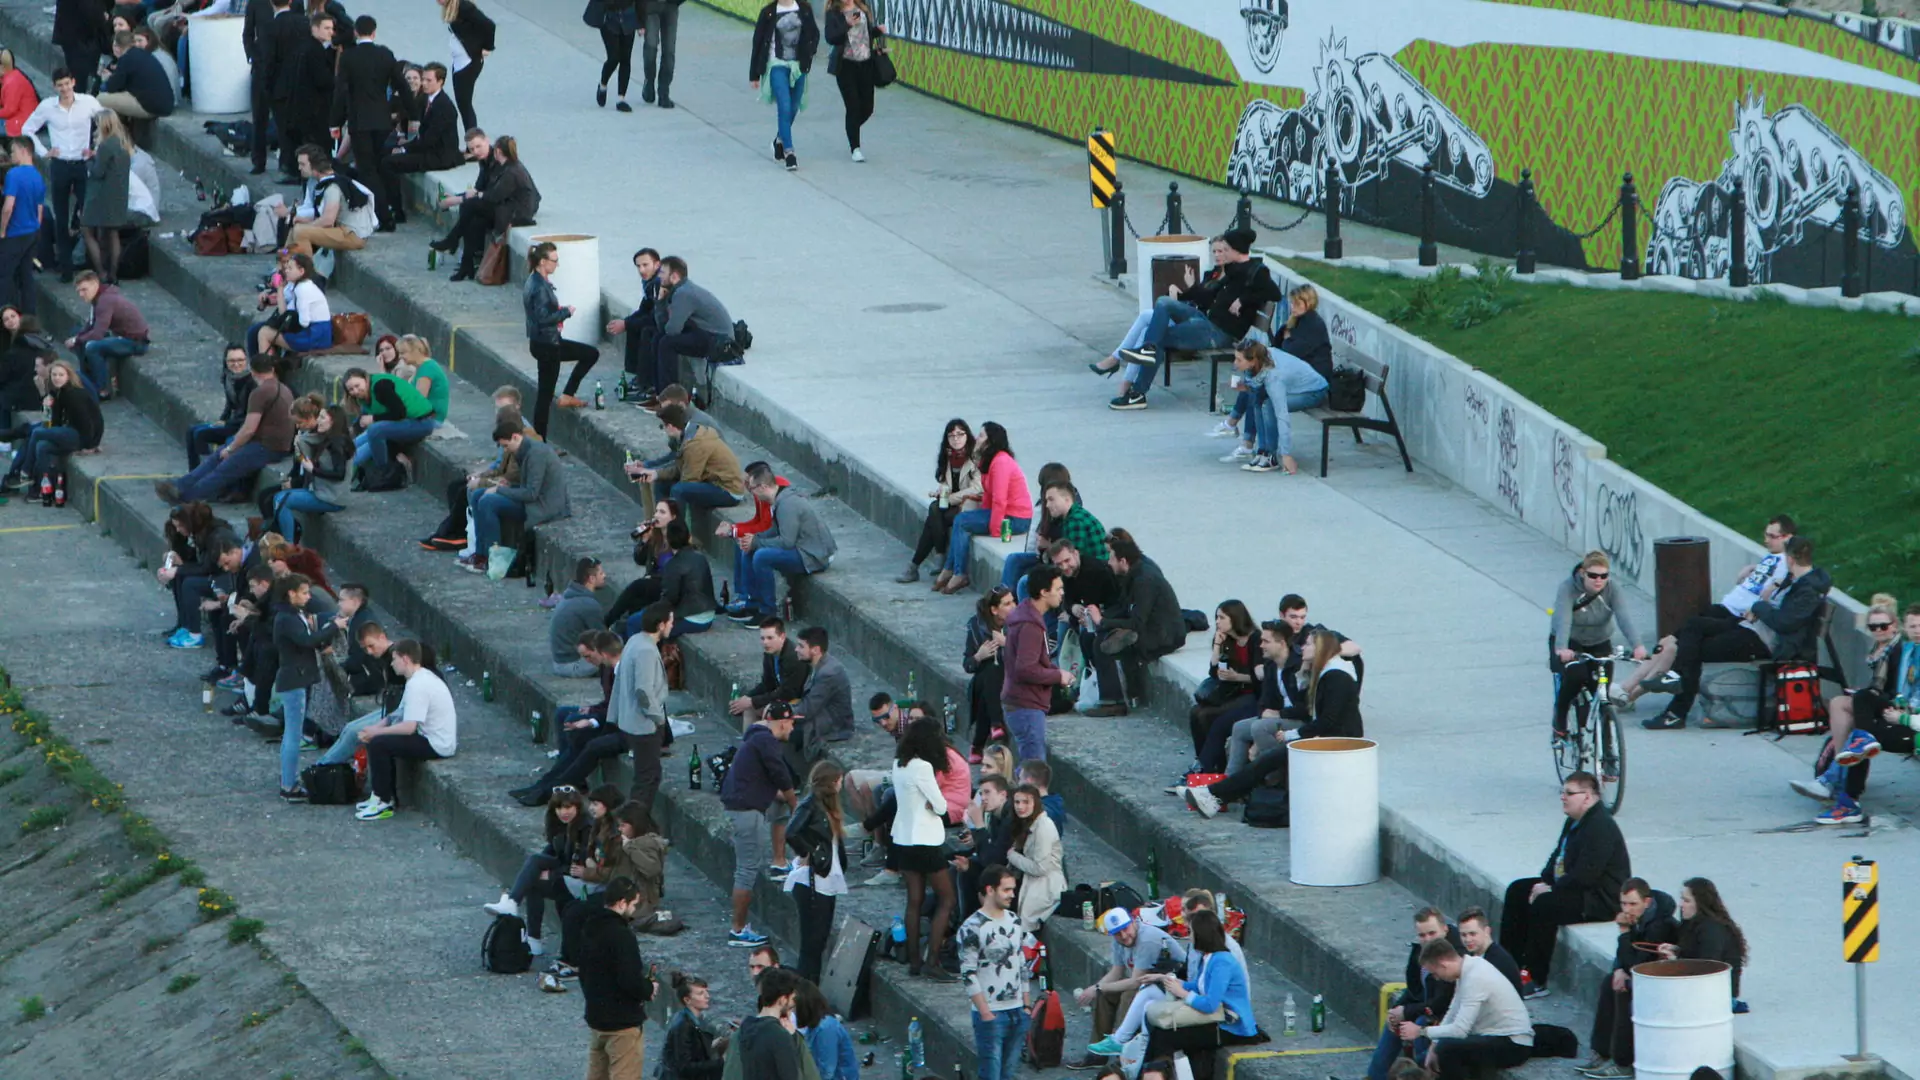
1595	744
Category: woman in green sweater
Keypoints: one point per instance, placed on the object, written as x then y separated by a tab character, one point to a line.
392	411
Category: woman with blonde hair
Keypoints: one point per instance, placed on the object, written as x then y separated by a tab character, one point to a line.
429	377
816	835
17	96
470	35
1861	720
1269	378
109	178
1305	334
74	425
856	39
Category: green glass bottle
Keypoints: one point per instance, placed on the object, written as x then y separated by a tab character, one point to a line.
486	686
1153	875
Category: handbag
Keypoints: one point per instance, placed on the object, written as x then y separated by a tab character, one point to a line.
1172	1015
883	70
493	265
1212	692
595	14
351	329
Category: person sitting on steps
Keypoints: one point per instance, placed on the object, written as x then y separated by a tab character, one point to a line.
265	436
799	543
1005	509
578	611
1148	627
704	473
1877	716
957	487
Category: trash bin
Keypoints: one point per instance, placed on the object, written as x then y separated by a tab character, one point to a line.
577	283
1682	1018
1682	579
1333	800
1165	260
222	78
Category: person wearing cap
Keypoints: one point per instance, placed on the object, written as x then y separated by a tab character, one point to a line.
1210	312
1138	950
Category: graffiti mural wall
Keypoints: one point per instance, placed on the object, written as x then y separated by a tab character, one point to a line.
1265	95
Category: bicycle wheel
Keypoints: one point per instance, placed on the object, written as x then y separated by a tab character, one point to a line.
1611	765
1567	751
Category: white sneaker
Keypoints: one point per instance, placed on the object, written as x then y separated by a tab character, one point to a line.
1203	801
377	810
1222	429
1240	453
1813	789
883	878
503	906
534	946
858	156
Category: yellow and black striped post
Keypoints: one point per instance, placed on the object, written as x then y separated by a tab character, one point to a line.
1102	177
1860	934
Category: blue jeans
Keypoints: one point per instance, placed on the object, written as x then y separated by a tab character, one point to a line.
997	1043
341	752
371	444
217	475
786	102
47	444
286	502
1835	776
702	494
488	509
204	439
766	562
1028	730
96	360
1176	326
1387	1050
293	705
1273	431
968	524
1015	569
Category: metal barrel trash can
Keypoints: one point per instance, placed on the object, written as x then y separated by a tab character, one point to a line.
1333	803
1164	260
577	283
222	78
1682	1018
1682	579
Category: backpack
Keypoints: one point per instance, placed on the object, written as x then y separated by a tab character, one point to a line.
1070	901
1046	1031
1798	707
1118	894
1347	390
1267	808
1554	1041
732	350
720	763
504	950
330	785
389	477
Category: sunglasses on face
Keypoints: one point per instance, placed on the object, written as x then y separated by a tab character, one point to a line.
1879	626
1602	576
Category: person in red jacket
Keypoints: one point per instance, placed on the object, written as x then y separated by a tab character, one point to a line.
17	96
1031	675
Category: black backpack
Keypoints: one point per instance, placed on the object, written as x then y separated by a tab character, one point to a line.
1267	808
504	950
1119	894
732	350
389	477
1347	390
331	785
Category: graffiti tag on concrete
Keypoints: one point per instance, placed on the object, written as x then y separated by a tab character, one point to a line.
1343	328
1618	529
1477	407
1563	482
1509	437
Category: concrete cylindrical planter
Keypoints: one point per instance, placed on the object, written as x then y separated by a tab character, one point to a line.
1333	792
577	283
222	79
1682	1018
1160	261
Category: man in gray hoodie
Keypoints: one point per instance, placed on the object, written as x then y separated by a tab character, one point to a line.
798	543
694	322
638	706
577	612
541	495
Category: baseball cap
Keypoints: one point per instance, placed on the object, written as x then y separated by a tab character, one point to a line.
1115	920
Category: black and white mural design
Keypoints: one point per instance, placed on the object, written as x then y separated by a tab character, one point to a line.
998	30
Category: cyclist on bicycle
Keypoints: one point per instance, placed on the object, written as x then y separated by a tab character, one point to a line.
1588	609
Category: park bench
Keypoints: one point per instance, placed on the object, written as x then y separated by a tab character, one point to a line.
1376	375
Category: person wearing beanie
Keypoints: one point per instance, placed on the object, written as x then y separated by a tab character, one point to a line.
1209	312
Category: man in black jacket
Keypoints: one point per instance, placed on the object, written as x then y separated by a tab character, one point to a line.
313	83
256	36
615	985
82	29
642	326
1646	918
277	59
1580	882
436	144
361	104
1212	313
783	675
138	89
1423	1002
1148	628
991	828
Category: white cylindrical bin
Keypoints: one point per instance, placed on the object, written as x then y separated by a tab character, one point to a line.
1333	796
1682	1018
577	283
222	78
1160	261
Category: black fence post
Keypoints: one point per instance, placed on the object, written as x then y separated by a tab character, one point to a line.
1174	216
1737	275
1850	242
1429	250
1331	208
1629	230
1117	232
1243	212
1523	260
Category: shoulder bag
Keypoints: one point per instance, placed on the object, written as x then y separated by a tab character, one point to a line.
493	266
883	71
595	14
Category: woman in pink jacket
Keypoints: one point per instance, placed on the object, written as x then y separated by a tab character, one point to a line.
1008	506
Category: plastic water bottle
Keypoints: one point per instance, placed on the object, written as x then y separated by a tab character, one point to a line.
206	697
1317	1014
898	934
1290	1013
946	713
916	1045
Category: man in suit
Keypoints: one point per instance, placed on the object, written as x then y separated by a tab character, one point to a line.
1580	882
314	81
368	74
436	144
253	38
280	46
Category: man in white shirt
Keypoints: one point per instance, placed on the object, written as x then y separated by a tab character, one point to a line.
327	217
425	730
68	119
1486	1026
993	969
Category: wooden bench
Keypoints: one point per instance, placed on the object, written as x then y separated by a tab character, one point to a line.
1765	670
1213	358
1376	374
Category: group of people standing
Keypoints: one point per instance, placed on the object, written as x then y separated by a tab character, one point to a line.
785	38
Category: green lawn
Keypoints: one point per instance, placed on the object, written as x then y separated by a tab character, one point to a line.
1743	410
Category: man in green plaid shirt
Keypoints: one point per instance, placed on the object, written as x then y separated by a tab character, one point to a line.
1077	525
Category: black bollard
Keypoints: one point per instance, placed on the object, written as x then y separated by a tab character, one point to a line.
1629	230
1737	275
1330	206
1523	260
1429	250
1174	216
1850	242
1117	231
1243	212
